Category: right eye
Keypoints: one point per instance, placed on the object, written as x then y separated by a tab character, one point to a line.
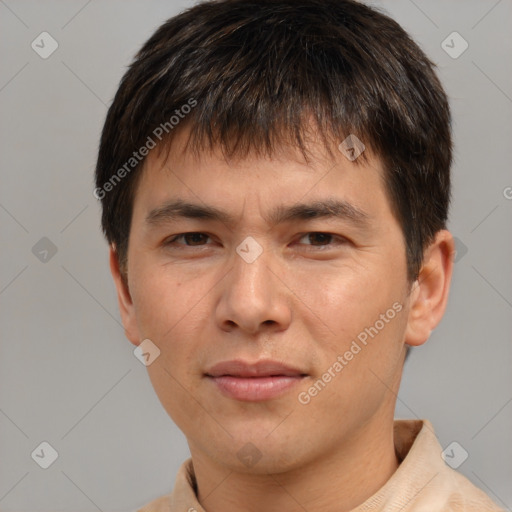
192	239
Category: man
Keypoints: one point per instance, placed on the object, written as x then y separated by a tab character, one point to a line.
275	183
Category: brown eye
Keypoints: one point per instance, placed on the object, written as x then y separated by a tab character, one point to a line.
191	239
319	238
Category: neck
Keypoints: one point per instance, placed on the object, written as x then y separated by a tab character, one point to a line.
339	480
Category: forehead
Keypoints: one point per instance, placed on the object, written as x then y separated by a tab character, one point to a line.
287	175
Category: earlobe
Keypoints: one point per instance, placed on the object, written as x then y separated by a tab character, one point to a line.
429	294
126	307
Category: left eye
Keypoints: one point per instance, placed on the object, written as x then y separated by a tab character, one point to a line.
319	239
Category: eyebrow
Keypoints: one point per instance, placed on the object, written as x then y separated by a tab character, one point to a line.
327	208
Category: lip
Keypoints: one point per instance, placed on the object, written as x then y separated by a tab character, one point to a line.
254	382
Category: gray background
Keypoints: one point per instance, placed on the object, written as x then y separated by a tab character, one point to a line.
67	374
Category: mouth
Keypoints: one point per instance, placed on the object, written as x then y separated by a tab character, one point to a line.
254	382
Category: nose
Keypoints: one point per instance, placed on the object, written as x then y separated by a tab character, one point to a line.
253	299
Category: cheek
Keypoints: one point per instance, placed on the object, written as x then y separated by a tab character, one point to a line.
171	314
174	311
356	313
160	300
344	299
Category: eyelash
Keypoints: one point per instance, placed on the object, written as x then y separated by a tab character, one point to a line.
340	240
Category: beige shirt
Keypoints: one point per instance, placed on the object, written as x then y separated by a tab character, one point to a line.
422	483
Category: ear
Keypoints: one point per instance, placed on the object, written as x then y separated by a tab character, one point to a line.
126	307
429	293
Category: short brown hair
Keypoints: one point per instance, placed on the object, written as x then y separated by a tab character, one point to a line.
255	71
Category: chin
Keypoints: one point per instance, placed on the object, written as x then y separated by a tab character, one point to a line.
260	454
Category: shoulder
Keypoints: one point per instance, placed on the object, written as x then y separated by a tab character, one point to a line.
162	504
424	480
182	498
464	496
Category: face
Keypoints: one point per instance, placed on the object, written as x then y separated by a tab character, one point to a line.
279	301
